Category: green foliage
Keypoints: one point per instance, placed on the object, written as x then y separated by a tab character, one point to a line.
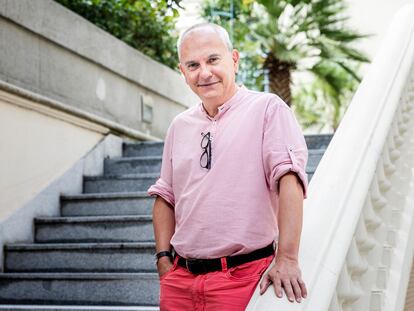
143	24
250	73
311	36
319	104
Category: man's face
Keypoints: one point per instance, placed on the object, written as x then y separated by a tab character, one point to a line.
208	66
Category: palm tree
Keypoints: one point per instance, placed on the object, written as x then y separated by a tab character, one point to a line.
286	37
307	35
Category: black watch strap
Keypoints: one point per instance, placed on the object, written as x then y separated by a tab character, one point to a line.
163	254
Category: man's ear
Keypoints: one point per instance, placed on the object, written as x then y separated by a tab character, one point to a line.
181	68
183	72
235	56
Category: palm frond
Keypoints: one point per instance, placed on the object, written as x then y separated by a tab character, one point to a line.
349	70
353	54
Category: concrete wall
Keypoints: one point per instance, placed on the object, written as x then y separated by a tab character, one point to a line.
54	52
44	152
69	94
35	149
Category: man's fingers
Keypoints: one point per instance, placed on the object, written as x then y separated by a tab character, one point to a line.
288	289
303	288
264	284
296	289
277	285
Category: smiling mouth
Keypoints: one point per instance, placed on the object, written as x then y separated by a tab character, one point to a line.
208	84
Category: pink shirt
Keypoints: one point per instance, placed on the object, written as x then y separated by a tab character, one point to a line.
232	208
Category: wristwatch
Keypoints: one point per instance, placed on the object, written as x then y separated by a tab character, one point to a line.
163	254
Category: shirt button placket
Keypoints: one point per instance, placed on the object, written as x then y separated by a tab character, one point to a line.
212	137
214	129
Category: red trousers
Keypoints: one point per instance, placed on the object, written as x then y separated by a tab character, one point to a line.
226	290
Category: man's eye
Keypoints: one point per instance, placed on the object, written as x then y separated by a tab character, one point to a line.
192	66
213	59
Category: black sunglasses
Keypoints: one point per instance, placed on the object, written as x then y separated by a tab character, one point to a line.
205	159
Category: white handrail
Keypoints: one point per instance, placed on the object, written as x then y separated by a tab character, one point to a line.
339	188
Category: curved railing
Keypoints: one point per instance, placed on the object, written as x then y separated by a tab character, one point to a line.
355	250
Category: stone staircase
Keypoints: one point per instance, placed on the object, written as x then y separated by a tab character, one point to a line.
99	254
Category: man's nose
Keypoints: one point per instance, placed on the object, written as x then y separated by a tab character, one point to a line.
205	72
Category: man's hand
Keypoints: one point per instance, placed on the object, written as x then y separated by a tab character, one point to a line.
285	274
164	265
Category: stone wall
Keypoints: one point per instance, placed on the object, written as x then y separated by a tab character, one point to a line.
47	49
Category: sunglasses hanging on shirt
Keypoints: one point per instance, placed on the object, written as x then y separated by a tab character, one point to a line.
205	158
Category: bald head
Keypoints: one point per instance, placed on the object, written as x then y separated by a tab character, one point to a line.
209	27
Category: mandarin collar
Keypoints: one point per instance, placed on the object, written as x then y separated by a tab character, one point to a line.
226	105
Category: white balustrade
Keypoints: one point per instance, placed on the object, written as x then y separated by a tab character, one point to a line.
356	251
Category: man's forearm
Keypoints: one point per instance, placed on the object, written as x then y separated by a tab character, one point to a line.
290	215
285	274
164	224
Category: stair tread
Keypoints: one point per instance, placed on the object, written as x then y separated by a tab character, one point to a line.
105	195
124	158
140	143
79	308
317	151
319	135
54	246
70	219
79	275
123	176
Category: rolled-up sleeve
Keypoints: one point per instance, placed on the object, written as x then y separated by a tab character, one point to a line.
284	146
163	186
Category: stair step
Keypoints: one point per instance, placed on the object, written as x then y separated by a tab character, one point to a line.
100	204
93	229
142	149
127	289
314	157
132	165
123	183
74	308
85	257
314	141
318	141
99	255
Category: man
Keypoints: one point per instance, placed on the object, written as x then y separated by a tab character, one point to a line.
232	183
